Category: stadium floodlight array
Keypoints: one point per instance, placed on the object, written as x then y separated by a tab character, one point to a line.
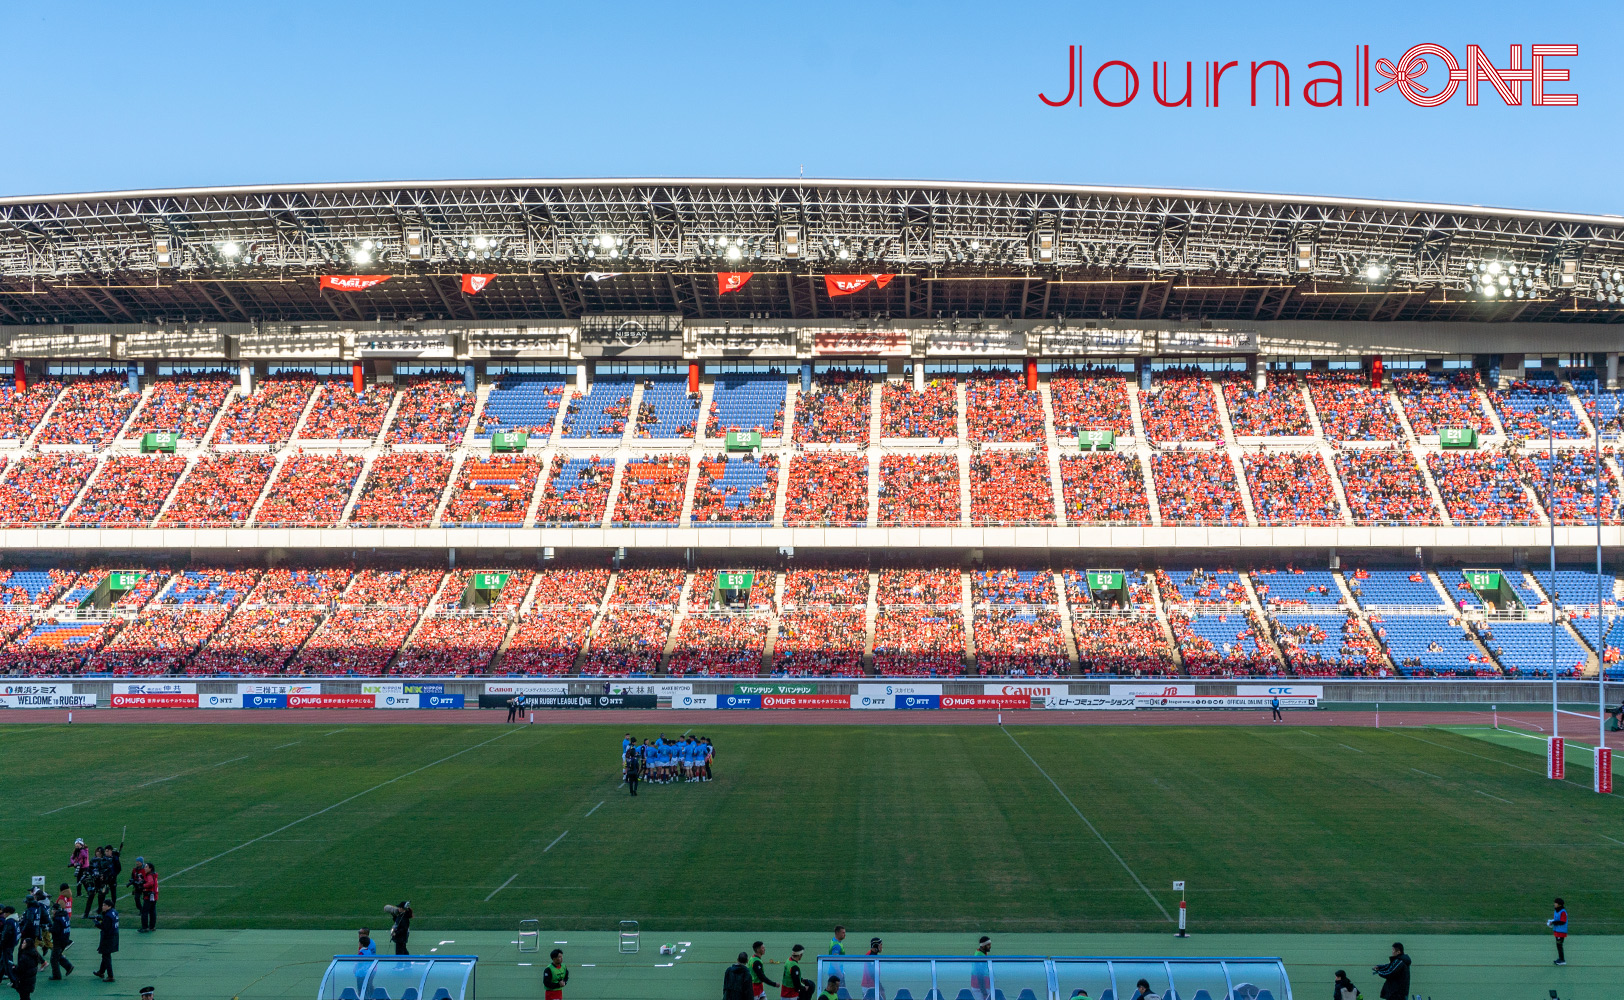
1497	279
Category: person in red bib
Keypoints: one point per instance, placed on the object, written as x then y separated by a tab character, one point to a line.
555	975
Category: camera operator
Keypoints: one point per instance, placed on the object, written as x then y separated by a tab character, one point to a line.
402	929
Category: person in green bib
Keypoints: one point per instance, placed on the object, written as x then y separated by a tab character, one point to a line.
794	986
831	991
758	971
554	976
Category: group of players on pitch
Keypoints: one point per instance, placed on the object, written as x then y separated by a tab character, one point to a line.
687	758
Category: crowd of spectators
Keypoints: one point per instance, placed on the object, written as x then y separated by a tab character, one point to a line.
310	491
356	641
651	489
494	490
1200	587
547	643
432	410
1009	486
1019	643
1384	486
256	641
22	409
919	489
806	587
647	588
26	588
827	489
270	414
1122	645
836	411
743	403
1569	483
716	499
1090	399
820	641
1197	487
931	413
160	641
569	587
221	490
916	642
999	407
667	410
128	491
1012	586
1224	645
596	414
1485	487
1291	488
300	587
920	587
1433	401
577	491
1276	411
183	406
452	644
1104	488
1310	650
1535	409
38	489
403	488
399	588
720	645
1351	409
91	410
342	414
627	641
1180	407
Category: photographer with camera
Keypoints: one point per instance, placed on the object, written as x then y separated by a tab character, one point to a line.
402	929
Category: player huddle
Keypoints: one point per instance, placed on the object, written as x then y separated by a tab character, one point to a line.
687	758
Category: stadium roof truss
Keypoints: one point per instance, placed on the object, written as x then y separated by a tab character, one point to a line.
974	250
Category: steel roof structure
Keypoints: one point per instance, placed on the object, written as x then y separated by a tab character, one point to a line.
567	248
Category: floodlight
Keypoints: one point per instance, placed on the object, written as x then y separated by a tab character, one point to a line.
366	244
480	243
361	257
734	253
229	249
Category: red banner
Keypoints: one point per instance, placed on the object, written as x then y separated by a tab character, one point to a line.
1604	770
352	282
806	701
1555	765
154	700
332	701
846	284
473	284
731	281
1000	701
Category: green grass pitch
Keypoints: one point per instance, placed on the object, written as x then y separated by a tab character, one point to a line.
911	829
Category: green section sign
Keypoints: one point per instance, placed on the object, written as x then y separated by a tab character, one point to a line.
1096	440
124	579
1104	579
1483	579
509	441
1457	437
743	440
490	581
775	689
158	441
735	580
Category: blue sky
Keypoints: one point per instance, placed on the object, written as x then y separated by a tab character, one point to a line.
125	95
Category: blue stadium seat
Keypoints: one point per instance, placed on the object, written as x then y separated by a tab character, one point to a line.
1394	588
749	402
522	402
379	993
348	993
904	994
409	993
442	994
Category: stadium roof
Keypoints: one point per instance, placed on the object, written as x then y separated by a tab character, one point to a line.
969	249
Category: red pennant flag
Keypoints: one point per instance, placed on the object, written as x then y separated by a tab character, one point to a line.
731	281
473	284
352	282
846	284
